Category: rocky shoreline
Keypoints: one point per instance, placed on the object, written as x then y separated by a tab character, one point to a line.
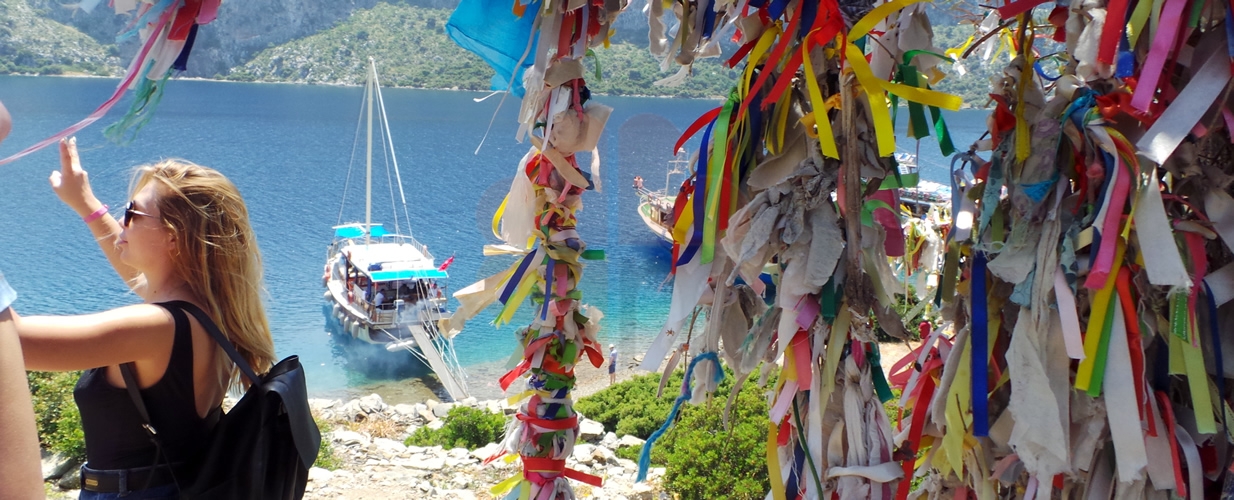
367	437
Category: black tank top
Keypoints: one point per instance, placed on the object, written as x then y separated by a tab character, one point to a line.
115	438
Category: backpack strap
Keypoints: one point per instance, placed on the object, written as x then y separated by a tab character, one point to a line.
218	337
130	385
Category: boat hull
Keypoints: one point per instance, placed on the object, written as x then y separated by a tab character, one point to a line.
652	217
373	361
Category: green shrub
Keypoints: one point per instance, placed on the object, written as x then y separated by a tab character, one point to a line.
632	407
464	427
59	422
703	460
706	461
325	452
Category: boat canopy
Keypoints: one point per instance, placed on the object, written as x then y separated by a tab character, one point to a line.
357	230
406	274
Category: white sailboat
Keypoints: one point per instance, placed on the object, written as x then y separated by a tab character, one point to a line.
385	287
656	207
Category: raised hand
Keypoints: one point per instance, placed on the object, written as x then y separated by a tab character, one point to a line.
71	183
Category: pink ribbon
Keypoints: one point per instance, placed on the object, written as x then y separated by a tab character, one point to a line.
102	110
1109	227
1163	44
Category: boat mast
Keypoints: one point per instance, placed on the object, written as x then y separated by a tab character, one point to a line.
368	173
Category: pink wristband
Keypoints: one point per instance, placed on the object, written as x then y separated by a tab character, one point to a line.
96	214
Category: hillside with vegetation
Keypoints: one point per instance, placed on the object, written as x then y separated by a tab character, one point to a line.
331	44
412	50
31	43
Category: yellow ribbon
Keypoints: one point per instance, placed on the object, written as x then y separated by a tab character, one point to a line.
504	487
1096	321
501	210
880	110
530	278
958	399
1022	140
773	462
826	139
879	13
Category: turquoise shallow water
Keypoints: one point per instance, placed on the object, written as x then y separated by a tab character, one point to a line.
287	147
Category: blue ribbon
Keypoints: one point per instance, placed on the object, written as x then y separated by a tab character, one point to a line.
700	197
1218	362
980	349
644	458
515	278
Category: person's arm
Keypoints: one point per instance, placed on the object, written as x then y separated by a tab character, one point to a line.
21	475
143	333
6	122
72	185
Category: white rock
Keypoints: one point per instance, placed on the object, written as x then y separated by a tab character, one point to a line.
458	494
389	447
584	453
372	404
436	424
320	476
656	472
590	430
405	409
604	455
442	409
348	438
457	453
628	440
435	463
486	451
55	465
431	403
610	440
351	411
470	402
627	464
318	404
426	414
493	406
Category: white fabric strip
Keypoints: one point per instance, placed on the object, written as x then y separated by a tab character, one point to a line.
688	287
1152	229
1121	407
1070	319
1181	116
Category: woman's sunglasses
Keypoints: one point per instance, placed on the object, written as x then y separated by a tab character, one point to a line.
130	211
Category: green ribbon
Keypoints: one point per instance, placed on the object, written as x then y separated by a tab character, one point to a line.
1103	350
715	176
880	379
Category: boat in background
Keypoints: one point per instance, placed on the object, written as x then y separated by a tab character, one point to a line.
656	207
385	287
926	196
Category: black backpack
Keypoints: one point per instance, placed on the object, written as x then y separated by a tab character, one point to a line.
262	448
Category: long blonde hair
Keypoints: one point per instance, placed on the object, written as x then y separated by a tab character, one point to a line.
216	253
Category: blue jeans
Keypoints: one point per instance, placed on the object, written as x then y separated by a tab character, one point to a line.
165	492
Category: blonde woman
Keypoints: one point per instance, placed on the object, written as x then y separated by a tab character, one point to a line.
183	241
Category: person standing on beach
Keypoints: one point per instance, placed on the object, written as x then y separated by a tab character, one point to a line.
612	364
184	243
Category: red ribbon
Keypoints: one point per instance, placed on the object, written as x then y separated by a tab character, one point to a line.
535	468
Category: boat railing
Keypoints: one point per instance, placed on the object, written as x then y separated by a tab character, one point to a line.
388	238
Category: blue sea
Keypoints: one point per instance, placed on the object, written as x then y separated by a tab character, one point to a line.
288	149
